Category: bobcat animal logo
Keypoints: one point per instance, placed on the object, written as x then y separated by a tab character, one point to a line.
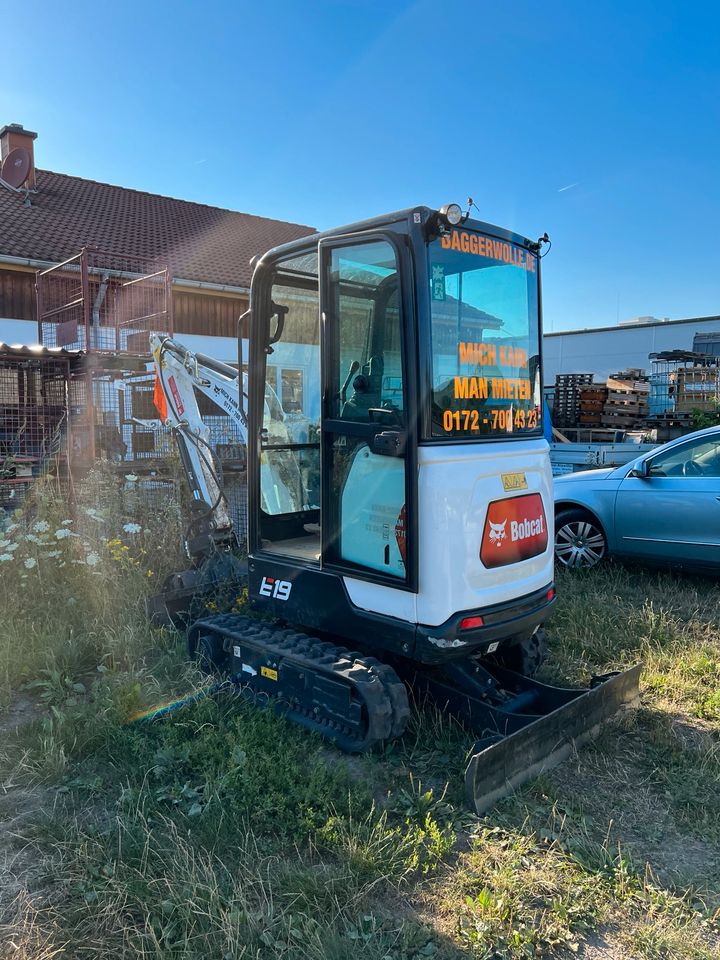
497	532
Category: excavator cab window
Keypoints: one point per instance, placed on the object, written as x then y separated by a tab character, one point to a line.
290	436
370	369
485	334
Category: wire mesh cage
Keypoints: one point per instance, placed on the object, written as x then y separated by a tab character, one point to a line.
684	381
34	418
106	305
126	426
122	427
98	301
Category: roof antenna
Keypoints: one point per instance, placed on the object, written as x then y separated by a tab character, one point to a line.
470	204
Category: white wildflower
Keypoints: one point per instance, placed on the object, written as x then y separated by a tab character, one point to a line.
52	554
4	557
12	527
92	559
93	514
4	543
132	528
66	523
11	547
31	538
62	534
42	526
30	563
130	477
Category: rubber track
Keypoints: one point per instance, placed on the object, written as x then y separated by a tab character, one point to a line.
376	684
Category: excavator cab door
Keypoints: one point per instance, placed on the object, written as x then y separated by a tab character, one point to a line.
368	496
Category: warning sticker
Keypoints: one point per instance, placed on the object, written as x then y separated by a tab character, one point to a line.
513	481
438	281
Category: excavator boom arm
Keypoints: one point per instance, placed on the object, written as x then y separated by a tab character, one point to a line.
179	374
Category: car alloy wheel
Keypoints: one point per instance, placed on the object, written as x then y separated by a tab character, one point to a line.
579	542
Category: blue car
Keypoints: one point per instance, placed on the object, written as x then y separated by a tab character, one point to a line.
662	508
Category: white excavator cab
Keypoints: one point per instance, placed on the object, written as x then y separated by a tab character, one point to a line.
426	484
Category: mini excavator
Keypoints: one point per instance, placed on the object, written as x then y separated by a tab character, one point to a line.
400	509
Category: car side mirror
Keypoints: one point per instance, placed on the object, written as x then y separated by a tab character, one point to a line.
641	470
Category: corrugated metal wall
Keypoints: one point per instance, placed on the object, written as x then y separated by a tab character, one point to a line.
606	351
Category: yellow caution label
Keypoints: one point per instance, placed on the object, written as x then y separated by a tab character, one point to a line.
269	673
514	481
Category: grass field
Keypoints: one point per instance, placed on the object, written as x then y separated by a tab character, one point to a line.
226	833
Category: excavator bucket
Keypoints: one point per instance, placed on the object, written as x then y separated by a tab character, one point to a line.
500	764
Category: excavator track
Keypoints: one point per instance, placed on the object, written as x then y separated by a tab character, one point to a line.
355	701
351	699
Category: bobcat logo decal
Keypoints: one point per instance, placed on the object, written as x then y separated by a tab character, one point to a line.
515	529
497	532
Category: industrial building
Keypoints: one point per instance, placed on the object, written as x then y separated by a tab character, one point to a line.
603	351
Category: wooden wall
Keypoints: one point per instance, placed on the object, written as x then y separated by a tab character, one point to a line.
17	295
206	314
198	312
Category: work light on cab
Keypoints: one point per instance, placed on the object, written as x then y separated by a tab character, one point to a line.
452	213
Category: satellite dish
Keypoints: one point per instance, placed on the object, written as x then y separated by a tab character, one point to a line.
16	167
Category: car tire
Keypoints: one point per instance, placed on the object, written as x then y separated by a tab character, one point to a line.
580	541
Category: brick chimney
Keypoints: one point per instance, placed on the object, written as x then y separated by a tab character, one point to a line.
15	135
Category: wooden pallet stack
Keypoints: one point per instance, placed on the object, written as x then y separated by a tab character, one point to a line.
592	403
628	393
566	404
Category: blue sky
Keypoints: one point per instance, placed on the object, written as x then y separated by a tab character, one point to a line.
599	123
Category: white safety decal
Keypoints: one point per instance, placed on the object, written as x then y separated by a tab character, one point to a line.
279	589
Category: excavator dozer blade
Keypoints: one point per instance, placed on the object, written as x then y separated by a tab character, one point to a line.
501	767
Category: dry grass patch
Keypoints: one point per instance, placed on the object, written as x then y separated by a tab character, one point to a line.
224	832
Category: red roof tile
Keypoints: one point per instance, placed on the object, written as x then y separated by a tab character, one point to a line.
200	242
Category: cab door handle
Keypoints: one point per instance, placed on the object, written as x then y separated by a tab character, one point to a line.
389	443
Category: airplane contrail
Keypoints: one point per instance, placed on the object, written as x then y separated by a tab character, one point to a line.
568	187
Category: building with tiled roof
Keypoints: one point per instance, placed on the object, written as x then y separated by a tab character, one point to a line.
208	249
